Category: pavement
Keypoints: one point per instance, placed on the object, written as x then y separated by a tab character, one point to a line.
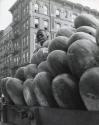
1	123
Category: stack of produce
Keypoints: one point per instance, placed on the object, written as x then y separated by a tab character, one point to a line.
63	73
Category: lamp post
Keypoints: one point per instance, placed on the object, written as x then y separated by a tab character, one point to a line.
50	16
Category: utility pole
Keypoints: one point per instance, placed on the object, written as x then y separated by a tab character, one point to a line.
50	16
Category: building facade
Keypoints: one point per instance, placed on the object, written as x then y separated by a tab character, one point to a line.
6	52
28	17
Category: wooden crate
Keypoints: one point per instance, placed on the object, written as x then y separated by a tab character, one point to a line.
15	115
50	116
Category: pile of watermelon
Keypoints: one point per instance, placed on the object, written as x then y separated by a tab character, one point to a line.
63	73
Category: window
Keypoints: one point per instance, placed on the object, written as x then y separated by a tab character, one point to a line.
45	10
24	58
36	22
15	60
34	43
18	17
17	44
22	3
27	41
65	25
24	26
7	45
36	7
27	24
57	13
46	24
27	56
58	26
69	14
10	59
34	37
27	8
23	42
66	14
24	11
15	18
7	60
8	35
15	31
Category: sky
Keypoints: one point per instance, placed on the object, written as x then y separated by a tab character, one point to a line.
6	17
94	4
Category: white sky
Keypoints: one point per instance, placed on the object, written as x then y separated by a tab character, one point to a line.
5	15
6	18
94	4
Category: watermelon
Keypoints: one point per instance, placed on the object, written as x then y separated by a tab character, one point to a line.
58	43
46	43
39	56
42	89
66	92
30	71
20	74
43	66
28	93
82	55
97	36
57	62
89	88
14	89
87	29
86	20
4	91
80	35
65	31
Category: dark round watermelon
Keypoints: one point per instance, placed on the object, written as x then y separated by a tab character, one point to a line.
66	31
57	62
4	90
43	66
58	43
82	55
97	36
30	71
87	29
80	35
42	89
29	94
89	88
39	56
86	20
14	88
46	43
66	92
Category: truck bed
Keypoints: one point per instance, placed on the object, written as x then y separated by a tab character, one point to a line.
49	116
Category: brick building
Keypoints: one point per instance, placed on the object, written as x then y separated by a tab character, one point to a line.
28	17
6	52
